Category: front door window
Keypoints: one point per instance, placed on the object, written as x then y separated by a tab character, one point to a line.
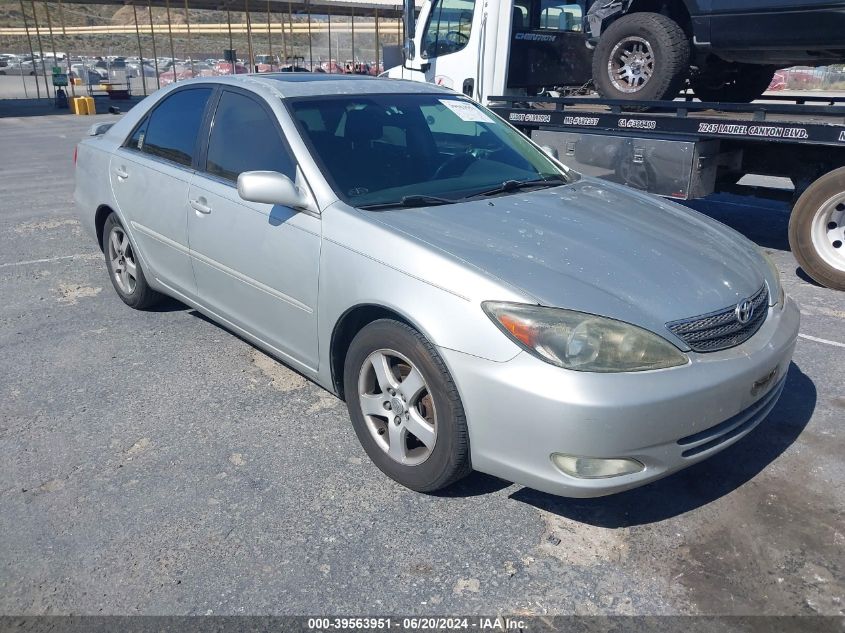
448	28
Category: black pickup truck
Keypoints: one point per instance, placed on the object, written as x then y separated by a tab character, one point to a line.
727	49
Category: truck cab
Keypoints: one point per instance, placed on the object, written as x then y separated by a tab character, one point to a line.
485	48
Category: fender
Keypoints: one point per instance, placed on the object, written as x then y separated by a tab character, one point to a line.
599	14
602	12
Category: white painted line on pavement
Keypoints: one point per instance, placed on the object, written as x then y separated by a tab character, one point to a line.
821	340
47	260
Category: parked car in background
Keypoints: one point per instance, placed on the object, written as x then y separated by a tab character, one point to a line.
475	302
90	75
134	69
225	68
181	72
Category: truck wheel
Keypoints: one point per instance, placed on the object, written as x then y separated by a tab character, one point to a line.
405	407
737	83
642	56
817	230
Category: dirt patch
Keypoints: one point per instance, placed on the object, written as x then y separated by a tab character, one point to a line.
139	447
325	401
70	294
581	544
781	553
281	378
466	584
47	225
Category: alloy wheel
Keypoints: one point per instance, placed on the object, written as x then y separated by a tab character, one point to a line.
123	265
397	407
631	64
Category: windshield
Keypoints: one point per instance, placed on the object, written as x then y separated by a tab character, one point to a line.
377	150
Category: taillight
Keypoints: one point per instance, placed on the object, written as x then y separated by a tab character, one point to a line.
75	149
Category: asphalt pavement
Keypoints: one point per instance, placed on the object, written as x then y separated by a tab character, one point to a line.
154	463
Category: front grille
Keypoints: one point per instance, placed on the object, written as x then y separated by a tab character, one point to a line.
721	329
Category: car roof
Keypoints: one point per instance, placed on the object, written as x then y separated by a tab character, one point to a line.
306	84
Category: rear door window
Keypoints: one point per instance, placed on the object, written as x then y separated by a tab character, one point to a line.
244	137
174	125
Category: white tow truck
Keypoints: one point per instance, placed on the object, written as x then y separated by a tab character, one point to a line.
508	54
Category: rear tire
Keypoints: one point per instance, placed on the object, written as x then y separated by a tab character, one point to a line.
732	83
124	267
817	230
641	56
417	436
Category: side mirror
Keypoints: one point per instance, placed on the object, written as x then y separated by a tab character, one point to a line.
270	187
410	19
409	49
551	151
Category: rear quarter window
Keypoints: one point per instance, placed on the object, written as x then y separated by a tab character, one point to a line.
172	127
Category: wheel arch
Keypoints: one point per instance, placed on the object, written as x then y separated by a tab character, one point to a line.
352	321
677	10
102	213
600	16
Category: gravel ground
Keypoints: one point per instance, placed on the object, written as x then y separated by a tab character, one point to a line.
154	463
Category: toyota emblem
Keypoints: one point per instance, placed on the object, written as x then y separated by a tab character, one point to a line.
744	311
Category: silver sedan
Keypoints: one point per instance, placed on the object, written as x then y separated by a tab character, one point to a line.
476	303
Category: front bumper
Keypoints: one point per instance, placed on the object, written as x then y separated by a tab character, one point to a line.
521	411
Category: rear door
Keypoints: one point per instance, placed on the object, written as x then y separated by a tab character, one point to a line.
150	176
769	24
256	264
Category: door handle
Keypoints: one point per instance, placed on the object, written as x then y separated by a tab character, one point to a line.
198	205
121	173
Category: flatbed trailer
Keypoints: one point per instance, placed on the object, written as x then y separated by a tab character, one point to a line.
686	149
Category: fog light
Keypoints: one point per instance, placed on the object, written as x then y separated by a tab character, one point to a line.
595	467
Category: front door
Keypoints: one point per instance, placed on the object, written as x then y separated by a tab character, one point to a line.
256	265
450	45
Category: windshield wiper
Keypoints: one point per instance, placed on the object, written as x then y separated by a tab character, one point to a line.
515	185
409	201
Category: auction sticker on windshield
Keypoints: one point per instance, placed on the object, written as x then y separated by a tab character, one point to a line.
466	111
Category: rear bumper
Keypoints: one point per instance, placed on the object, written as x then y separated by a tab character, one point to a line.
521	411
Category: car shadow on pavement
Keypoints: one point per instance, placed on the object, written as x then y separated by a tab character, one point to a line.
474	485
702	483
170	305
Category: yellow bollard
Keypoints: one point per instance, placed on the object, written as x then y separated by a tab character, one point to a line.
78	105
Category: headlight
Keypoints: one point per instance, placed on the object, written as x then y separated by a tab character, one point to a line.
580	341
777	291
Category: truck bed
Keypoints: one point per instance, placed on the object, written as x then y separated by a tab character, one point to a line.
813	119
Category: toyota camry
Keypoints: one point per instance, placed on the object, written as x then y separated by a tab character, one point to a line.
476	303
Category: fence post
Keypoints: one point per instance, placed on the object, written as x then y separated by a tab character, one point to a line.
188	25
140	50
249	38
31	55
170	35
40	50
67	52
153	35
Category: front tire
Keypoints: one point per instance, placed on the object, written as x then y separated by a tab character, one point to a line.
405	408
124	267
641	56
732	83
817	230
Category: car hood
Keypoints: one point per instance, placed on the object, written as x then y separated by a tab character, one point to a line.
595	247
